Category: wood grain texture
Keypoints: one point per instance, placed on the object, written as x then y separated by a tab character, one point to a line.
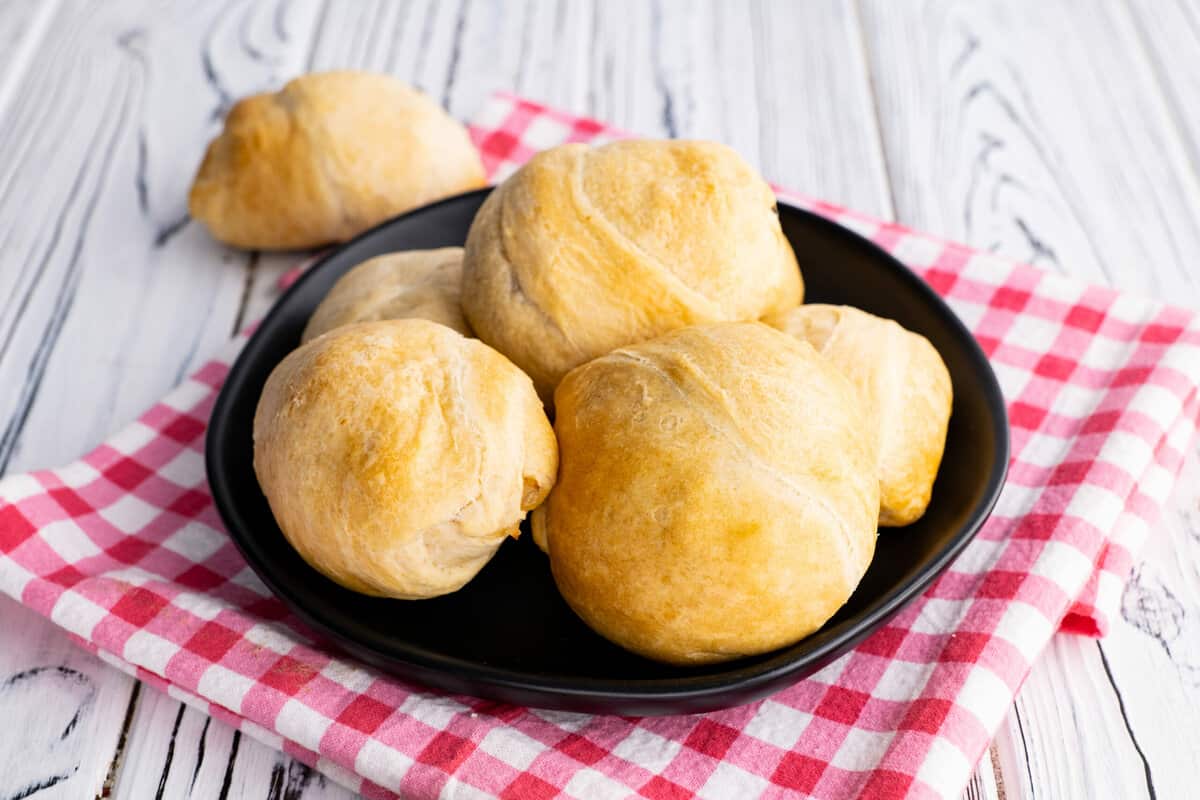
658	69
175	751
1171	37
67	704
1038	131
23	25
130	96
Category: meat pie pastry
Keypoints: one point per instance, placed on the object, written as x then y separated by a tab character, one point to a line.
397	455
425	284
327	157
584	250
717	495
905	388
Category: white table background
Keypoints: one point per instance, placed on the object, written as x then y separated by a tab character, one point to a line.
1063	133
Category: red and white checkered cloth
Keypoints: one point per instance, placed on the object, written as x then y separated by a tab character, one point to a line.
124	549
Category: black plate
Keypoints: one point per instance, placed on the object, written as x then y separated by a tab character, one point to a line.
508	635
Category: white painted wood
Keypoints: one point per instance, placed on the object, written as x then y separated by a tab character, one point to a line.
985	783
175	751
654	68
125	263
1171	38
1054	748
1159	636
23	25
68	706
287	780
66	746
1037	130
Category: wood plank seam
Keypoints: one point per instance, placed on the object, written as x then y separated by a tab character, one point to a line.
1125	719
114	766
876	115
21	59
66	295
994	758
1191	146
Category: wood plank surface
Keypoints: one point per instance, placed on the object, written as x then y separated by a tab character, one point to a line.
69	706
1061	133
23	25
174	751
1036	130
1171	38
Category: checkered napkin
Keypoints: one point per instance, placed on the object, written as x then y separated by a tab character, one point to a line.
124	550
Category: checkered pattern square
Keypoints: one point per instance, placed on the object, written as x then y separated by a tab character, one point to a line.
124	550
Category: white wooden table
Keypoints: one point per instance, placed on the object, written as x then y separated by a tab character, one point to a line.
1063	133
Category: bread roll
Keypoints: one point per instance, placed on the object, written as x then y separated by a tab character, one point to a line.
906	390
397	455
584	250
425	284
717	493
327	157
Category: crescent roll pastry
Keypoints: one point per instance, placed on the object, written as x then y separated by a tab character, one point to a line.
906	390
418	283
584	250
327	157
717	495
396	456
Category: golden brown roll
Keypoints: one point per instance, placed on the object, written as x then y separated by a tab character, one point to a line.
584	250
906	391
397	455
717	494
425	284
327	157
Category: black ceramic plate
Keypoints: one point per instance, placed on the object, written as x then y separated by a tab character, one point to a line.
508	635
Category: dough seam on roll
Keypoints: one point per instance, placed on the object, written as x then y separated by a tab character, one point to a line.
480	442
514	276
468	402
601	226
713	413
615	245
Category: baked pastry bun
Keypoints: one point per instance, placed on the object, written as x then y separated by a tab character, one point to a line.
327	157
397	455
584	250
425	284
906	390
717	493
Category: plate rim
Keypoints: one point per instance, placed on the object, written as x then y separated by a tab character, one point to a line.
693	692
